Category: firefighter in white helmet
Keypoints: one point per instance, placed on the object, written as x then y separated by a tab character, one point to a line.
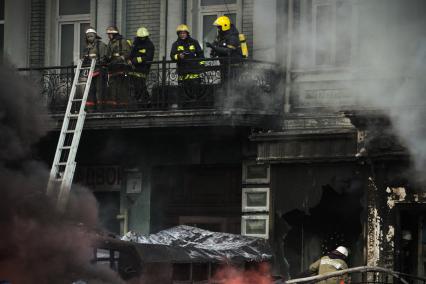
95	49
118	56
141	55
332	262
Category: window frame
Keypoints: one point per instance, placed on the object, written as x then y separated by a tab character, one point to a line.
244	206
307	25
247	180
246	218
77	20
315	5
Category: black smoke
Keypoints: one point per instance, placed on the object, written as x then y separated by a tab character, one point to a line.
37	243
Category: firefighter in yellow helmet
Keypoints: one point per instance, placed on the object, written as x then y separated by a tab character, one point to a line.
186	47
227	43
227	48
141	55
185	52
118	56
95	49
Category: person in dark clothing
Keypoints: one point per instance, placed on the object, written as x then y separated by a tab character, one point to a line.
118	56
184	52
185	47
95	49
227	45
141	55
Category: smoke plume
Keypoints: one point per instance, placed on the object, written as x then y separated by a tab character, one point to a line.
37	243
375	50
394	51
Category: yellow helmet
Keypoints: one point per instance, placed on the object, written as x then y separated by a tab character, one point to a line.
223	22
182	28
142	32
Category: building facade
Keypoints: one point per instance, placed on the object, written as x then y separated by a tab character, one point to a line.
300	157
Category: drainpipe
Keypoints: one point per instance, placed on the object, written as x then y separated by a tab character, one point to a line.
165	28
289	57
114	12
184	8
95	20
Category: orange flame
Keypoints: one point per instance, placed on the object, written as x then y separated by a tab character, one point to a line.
259	275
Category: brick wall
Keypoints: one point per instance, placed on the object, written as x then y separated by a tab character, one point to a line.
248	23
37	31
144	13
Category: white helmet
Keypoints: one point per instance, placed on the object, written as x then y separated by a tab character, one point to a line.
91	30
406	235
343	251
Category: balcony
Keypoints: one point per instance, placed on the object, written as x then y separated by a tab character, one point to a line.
242	93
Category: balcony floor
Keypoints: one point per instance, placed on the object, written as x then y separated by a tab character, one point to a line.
175	118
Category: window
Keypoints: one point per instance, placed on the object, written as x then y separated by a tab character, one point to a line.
255	226
324	29
107	257
323	35
255	173
217	2
210	11
73	21
332	27
74	7
255	200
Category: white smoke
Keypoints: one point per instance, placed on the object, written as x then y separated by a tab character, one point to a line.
384	42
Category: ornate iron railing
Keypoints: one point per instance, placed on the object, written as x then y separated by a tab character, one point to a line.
224	84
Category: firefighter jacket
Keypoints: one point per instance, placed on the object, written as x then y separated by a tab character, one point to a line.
97	50
191	49
327	264
227	44
118	53
141	53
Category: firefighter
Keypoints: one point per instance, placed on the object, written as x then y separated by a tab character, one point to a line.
227	43
118	56
185	50
96	49
141	54
185	47
332	262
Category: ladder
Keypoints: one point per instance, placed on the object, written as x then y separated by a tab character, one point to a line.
63	167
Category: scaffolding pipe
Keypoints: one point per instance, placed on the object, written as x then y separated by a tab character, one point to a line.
318	278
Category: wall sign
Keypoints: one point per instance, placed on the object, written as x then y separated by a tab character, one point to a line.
100	178
134	182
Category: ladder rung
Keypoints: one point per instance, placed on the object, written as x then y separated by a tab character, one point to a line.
73	115
61	163
65	147
81	83
84	68
69	131
77	100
